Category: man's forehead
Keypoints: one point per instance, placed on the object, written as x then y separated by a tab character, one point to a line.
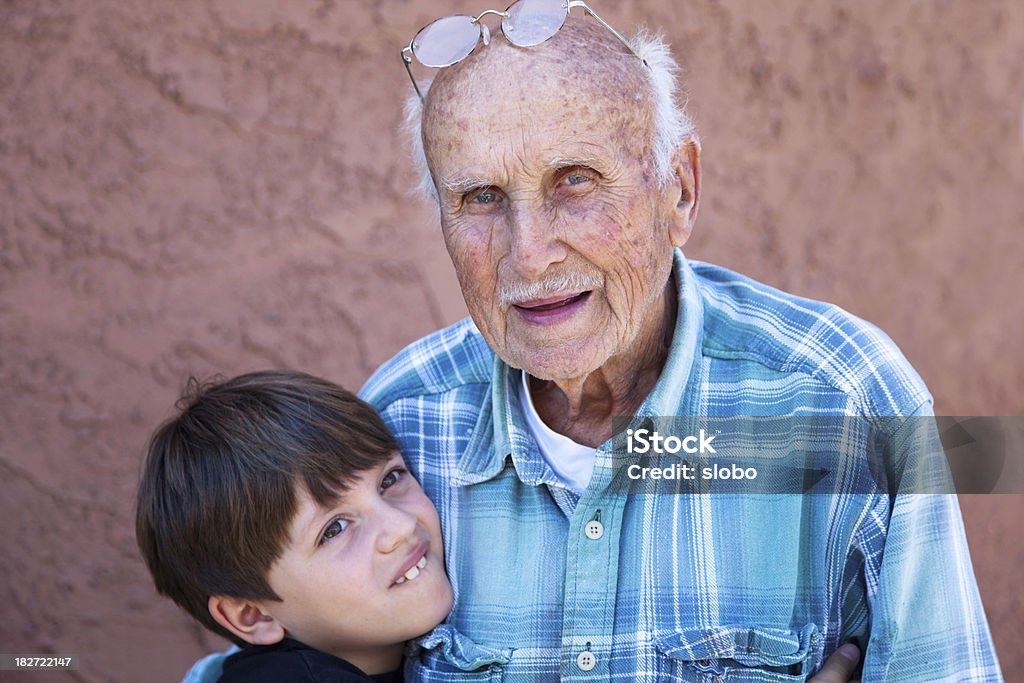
566	86
581	57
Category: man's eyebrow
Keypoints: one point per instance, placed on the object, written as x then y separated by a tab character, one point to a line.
460	184
563	162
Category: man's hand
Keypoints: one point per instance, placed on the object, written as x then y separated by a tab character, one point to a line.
839	667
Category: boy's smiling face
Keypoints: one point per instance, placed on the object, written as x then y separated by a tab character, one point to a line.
360	577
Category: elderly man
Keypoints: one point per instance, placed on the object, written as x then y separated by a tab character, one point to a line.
567	181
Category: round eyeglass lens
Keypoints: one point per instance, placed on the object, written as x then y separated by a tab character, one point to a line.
446	41
531	22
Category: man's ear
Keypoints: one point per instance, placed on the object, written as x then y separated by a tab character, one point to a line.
246	619
685	179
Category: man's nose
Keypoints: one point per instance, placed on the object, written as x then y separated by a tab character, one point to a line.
396	527
535	243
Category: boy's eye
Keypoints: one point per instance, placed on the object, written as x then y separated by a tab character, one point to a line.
333	529
392	477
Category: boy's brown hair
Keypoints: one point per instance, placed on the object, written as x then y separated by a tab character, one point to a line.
220	483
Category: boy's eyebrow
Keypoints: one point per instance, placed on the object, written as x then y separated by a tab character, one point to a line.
309	529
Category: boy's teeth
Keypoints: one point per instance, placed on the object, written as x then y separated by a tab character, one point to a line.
414	571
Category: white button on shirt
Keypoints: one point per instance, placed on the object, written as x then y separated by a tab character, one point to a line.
594	530
586	660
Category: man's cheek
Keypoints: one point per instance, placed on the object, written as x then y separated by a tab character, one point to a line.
477	273
475	237
596	228
623	290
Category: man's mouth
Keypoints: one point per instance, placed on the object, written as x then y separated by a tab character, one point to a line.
551	309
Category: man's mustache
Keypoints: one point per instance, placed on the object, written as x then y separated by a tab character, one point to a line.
564	282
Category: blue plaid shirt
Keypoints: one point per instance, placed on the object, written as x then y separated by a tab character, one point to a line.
683	587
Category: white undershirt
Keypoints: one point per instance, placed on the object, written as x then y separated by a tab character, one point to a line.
572	463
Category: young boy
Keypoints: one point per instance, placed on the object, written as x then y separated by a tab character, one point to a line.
277	511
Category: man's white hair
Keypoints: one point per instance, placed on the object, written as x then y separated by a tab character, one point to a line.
671	122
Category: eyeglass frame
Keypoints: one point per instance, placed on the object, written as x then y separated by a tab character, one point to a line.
407	51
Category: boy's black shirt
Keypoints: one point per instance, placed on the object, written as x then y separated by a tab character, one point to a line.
290	661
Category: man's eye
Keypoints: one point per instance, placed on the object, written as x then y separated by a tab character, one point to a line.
333	529
484	196
392	477
575	179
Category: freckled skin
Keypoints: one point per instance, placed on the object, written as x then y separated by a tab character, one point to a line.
493	126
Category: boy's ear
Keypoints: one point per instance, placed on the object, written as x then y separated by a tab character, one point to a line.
246	619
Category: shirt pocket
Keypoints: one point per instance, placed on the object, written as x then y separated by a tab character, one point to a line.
445	654
740	654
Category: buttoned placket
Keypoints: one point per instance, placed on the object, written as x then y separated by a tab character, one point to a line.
591	576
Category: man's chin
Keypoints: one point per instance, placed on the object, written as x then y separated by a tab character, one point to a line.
556	364
562	353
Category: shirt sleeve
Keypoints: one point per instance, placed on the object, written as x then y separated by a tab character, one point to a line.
927	620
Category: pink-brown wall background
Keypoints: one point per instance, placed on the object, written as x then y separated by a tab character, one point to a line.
216	186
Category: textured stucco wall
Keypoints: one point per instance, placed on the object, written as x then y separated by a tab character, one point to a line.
217	186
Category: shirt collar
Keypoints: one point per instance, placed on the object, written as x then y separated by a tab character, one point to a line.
501	431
